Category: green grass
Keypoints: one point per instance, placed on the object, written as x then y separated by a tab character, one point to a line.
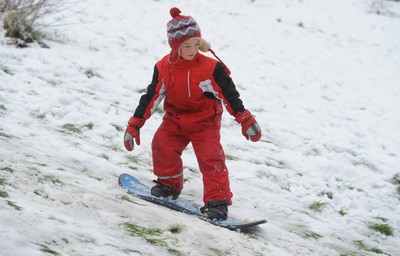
133	159
328	194
159	110
396	182
14	205
317	206
52	179
154	236
362	246
2	134
311	235
7	169
46	249
89	126
2	107
3	182
176	229
342	212
218	252
71	128
3	194
39	115
231	157
384	228
91	72
118	127
104	156
128	199
6	70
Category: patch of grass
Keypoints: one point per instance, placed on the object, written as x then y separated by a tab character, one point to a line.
382	228
52	179
381	219
144	90
6	70
104	156
91	72
41	116
174	252
5	135
41	193
342	212
70	128
2	107
3	194
317	206
328	194
129	252
152	236
8	169
133	159
14	205
311	235
218	252
3	182
176	229
128	199
362	246
159	110
46	249
396	181
89	126
36	113
230	157
118	127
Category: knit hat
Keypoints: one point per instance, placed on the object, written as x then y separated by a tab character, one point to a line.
180	29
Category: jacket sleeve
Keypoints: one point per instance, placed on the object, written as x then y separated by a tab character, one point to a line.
227	88
149	101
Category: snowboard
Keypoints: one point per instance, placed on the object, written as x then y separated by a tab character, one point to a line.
138	189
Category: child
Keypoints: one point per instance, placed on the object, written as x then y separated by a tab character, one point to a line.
194	88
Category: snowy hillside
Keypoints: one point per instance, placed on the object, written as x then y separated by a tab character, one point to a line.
322	78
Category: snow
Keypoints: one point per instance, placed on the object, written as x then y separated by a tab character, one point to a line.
321	77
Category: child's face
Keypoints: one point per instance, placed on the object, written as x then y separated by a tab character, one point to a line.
190	49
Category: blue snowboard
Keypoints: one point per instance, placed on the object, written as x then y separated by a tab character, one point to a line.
137	188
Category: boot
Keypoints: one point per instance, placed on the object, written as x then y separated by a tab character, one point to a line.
216	209
161	190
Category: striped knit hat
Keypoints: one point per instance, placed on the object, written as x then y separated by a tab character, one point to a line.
181	29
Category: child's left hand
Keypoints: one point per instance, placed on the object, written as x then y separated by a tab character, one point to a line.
250	128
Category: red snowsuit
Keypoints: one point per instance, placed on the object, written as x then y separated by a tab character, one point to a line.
193	93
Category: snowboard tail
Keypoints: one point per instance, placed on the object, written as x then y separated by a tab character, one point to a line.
137	188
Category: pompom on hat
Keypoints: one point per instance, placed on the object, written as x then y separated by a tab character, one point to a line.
181	29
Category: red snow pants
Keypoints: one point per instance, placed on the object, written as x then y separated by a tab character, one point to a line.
173	136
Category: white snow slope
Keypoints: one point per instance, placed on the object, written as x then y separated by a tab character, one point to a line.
322	78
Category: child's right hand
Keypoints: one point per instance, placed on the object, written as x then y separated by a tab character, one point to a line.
132	132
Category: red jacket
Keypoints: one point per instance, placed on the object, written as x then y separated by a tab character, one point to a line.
195	87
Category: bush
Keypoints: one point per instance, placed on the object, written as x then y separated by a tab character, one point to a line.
24	19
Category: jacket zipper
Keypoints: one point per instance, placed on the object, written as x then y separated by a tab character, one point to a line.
188	81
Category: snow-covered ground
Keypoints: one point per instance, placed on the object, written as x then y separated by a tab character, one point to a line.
321	76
